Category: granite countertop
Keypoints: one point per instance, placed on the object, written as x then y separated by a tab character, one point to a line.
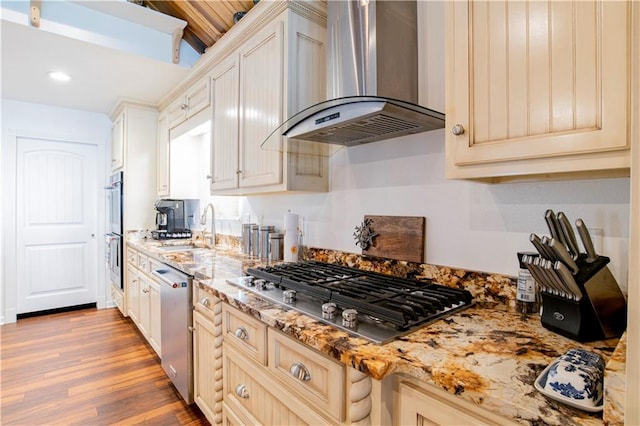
485	354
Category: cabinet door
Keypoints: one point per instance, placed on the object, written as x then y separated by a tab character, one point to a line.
261	82
225	82
198	97
117	143
133	294
144	299
207	359
176	112
534	82
162	166
154	317
416	406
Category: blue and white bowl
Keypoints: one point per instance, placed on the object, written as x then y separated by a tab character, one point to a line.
576	378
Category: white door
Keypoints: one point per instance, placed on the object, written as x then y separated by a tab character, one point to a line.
56	221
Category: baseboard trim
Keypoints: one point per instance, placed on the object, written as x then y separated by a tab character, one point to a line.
57	310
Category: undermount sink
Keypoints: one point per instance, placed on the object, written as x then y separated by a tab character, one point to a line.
179	248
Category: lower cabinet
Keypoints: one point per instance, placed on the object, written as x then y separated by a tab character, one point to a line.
269	378
133	294
117	296
420	404
143	298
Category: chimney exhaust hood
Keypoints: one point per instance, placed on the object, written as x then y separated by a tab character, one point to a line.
372	72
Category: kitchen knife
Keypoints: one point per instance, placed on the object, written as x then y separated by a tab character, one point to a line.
538	264
568	279
552	224
569	236
563	255
586	241
528	261
542	249
564	290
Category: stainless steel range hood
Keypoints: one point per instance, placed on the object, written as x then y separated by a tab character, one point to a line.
372	71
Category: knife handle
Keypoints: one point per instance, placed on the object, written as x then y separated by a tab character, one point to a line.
552	224
586	241
541	248
563	255
568	279
570	237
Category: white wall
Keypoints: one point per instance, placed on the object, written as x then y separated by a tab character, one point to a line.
470	225
22	118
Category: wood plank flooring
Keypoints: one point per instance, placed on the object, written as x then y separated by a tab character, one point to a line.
88	367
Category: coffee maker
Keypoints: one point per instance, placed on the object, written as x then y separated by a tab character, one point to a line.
175	218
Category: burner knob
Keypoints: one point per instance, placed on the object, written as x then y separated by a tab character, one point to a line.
261	284
329	310
288	296
349	318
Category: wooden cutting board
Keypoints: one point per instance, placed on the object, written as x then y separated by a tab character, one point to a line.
399	237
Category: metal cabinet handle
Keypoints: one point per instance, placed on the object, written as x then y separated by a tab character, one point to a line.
204	301
242	391
145	290
184	106
300	372
457	130
241	333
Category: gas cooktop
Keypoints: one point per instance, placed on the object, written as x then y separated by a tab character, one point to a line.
377	307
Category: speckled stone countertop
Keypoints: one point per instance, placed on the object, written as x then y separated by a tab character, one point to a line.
485	354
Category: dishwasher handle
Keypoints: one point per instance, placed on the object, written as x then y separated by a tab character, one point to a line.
172	279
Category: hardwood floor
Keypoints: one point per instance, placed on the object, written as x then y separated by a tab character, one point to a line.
88	367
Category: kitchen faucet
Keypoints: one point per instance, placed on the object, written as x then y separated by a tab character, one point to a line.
203	221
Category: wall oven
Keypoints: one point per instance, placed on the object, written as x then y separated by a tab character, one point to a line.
114	237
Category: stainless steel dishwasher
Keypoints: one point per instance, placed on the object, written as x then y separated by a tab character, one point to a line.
176	322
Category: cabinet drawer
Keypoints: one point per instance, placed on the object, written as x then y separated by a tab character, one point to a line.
254	398
246	332
313	376
153	264
143	263
132	256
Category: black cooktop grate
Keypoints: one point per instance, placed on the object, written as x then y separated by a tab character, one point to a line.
402	302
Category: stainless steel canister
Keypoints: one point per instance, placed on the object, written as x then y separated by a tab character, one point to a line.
276	246
246	238
264	240
255	240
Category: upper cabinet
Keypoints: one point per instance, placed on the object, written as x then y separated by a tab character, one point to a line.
117	143
195	99
536	88
134	138
275	72
162	165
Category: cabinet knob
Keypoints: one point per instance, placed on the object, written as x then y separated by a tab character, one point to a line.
205	301
457	130
300	372
238	171
241	333
146	290
242	391
184	106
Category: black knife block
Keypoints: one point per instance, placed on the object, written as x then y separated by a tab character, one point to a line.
600	314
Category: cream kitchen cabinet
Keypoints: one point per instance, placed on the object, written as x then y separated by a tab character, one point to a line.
207	355
419	404
117	143
537	88
162	165
143	294
133	294
268	378
276	72
194	100
149	313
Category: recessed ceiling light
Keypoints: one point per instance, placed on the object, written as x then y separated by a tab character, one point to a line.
59	76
